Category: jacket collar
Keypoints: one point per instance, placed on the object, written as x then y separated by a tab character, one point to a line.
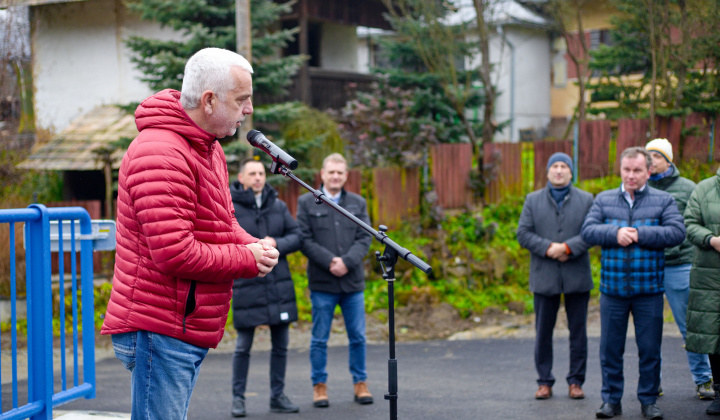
665	182
246	197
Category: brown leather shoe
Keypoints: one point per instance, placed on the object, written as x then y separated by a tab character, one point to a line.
576	392
543	393
320	397
362	395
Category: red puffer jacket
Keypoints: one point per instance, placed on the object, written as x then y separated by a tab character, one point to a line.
179	246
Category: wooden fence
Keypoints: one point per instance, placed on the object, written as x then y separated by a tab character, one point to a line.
593	149
451	166
696	145
396	195
504	161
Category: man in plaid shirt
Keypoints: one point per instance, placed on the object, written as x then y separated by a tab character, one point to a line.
633	224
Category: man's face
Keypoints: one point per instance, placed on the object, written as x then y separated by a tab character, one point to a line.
229	113
334	176
253	176
634	172
559	174
658	163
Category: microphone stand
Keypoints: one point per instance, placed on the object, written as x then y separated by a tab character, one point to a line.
387	261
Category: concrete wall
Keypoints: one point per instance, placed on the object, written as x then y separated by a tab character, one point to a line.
80	60
339	48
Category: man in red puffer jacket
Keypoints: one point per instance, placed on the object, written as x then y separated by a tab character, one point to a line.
179	246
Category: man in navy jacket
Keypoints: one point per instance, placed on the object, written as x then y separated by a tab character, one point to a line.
633	224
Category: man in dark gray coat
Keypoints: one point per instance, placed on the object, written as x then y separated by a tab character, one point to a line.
335	248
549	228
268	300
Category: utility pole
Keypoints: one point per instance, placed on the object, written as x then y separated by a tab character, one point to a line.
244	47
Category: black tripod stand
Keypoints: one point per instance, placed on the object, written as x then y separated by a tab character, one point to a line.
387	260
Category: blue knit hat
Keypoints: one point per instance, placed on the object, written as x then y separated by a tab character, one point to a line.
560	157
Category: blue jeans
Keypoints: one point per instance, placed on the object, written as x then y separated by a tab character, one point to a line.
647	311
279	336
353	310
164	372
677	289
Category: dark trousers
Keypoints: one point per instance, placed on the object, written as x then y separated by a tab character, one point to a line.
546	309
715	365
279	335
647	311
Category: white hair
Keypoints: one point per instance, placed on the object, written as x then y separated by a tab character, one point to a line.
209	69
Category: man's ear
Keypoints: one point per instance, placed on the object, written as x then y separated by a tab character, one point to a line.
207	101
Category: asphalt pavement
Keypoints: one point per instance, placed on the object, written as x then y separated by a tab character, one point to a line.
473	379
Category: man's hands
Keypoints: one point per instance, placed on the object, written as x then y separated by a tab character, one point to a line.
627	235
715	243
557	251
337	267
271	241
266	256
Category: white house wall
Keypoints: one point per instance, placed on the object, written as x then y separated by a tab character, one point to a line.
531	107
80	60
339	48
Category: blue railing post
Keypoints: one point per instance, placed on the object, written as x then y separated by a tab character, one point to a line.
38	246
39	302
88	305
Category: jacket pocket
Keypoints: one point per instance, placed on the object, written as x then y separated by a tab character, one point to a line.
190	302
319	220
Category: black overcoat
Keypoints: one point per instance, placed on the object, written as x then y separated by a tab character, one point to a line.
268	300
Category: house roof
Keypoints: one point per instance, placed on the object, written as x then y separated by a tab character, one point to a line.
503	12
8	3
72	149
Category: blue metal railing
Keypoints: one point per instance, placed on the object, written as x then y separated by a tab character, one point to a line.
41	395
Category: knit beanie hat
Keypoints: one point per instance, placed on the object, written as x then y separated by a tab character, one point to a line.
661	146
560	157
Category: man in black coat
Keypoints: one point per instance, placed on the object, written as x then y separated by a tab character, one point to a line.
549	228
268	300
335	248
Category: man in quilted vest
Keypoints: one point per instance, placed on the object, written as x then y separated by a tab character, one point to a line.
633	224
179	246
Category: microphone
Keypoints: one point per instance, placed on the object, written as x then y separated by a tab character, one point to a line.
278	155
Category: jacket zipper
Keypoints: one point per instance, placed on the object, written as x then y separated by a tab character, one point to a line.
627	259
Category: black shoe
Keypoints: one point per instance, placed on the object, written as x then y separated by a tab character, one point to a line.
651	411
714	407
282	404
238	407
608	410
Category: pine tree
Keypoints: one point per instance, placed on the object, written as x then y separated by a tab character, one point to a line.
425	93
211	23
427	55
